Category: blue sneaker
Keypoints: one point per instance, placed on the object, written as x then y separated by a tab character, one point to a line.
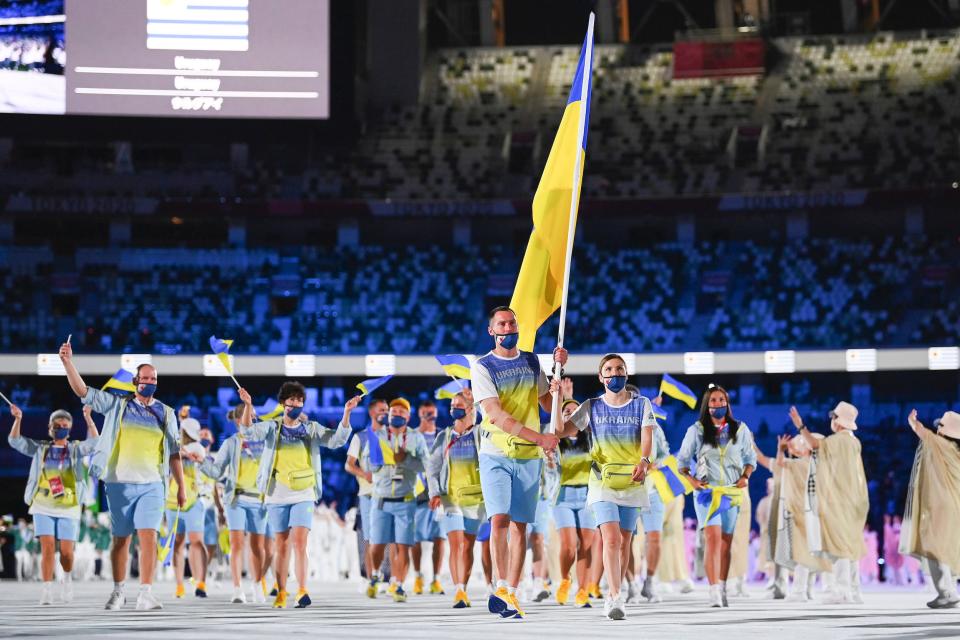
303	600
497	602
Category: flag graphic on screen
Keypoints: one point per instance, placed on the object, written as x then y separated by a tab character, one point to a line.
198	25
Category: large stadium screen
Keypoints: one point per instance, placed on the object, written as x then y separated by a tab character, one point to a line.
208	58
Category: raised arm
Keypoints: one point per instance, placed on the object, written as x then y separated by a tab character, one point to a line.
92	431
26	446
916	425
798	423
73	376
336	438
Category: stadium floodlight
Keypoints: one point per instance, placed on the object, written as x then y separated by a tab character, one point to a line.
299	366
698	362
48	364
130	361
780	361
378	365
861	359
943	358
214	368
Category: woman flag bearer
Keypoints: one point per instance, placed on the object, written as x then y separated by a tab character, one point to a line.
621	426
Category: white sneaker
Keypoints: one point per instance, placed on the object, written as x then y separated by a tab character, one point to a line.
855	598
740	589
46	594
116	601
723	595
238	596
67	592
613	608
686	586
146	601
259	598
716	598
655	596
633	594
834	597
944	601
647	589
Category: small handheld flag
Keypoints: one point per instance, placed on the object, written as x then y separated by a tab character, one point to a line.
455	366
369	386
380	452
165	544
449	390
121	383
668	481
220	349
659	412
675	389
6	400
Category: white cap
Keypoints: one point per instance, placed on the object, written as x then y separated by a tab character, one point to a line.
191	427
846	415
949	424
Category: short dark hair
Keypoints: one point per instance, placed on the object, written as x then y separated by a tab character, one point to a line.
427	403
497	310
291	389
375	401
141	366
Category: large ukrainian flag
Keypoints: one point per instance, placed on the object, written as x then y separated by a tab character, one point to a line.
539	287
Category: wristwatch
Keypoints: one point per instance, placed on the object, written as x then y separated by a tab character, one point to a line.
646	459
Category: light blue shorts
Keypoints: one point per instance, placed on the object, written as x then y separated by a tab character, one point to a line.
456	522
393	522
211	530
727	521
247	516
483	534
571	512
59	528
284	517
652	516
269	531
541	523
191	520
510	486
606	512
366	524
427	524
134	507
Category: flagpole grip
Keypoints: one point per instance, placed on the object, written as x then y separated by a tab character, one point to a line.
235	381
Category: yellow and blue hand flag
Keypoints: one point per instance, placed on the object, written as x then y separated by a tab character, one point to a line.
720	499
121	383
220	349
668	480
455	366
452	388
369	386
672	387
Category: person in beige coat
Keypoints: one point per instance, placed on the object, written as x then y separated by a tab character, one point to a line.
837	500
932	515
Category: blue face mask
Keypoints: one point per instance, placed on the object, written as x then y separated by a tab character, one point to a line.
147	390
61	433
616	383
398	421
294	412
205	443
718	412
508	340
383	419
457	413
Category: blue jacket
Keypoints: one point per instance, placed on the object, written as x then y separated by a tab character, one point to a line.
37	449
720	466
112	408
225	466
317	436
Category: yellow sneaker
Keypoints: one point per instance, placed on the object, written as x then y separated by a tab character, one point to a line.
460	600
582	599
399	595
263	585
498	601
435	587
303	599
515	605
372	589
179	592
392	589
594	591
418	586
563	591
281	601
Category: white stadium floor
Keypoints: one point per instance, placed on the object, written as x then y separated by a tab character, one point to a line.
340	611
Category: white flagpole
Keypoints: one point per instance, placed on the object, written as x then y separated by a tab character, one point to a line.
574	205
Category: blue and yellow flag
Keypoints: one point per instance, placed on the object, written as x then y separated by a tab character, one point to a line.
276	412
452	388
672	387
121	383
165	543
220	349
720	499
369	386
659	412
668	481
380	451
539	289
455	366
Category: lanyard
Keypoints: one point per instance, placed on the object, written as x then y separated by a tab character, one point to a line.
454	439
